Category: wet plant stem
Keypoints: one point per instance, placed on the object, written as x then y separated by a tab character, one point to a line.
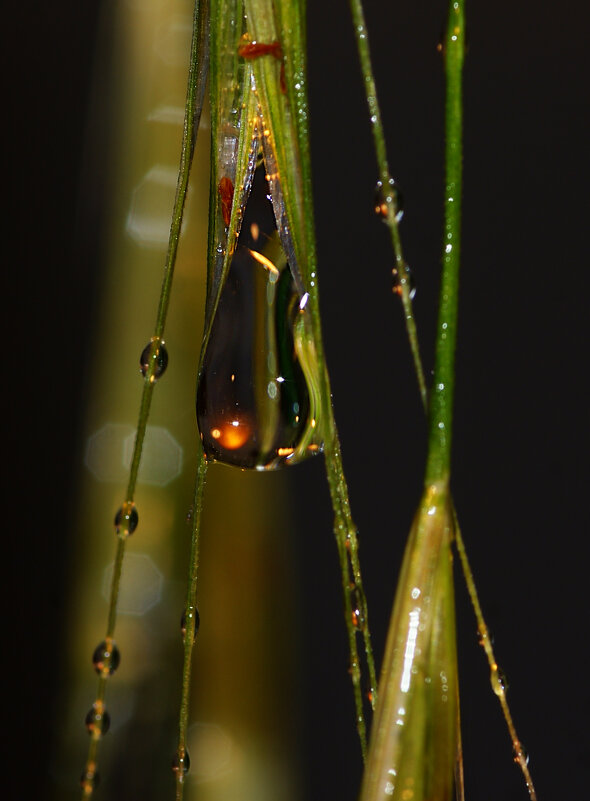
438	466
442	414
195	91
190	619
387	185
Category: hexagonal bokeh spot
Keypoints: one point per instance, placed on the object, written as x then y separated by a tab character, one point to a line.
104	452
173	40
148	220
141	585
212	751
161	457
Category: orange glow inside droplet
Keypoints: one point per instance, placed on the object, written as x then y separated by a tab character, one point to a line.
232	434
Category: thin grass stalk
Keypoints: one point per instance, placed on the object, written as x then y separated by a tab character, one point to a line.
388	190
153	363
190	620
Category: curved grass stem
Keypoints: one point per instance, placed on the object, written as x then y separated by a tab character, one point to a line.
189	627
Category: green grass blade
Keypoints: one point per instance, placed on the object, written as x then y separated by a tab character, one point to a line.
414	738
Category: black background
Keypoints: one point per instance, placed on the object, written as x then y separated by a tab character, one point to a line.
520	472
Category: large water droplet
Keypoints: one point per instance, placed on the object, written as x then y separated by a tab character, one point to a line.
106	658
358	607
257	397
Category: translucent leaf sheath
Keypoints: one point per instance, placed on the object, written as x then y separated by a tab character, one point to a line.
414	739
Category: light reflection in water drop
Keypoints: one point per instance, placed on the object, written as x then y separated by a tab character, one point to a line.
254	405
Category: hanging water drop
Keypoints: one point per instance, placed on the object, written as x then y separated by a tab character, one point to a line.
386	196
126	519
98	720
106	658
257	396
154	353
89	781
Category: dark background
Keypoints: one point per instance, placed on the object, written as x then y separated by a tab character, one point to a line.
520	472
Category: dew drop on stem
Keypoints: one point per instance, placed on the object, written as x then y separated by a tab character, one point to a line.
154	353
181	764
126	519
98	720
388	196
106	658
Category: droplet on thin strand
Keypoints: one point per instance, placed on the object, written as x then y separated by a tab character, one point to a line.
126	519
388	196
398	282
154	353
106	658
98	720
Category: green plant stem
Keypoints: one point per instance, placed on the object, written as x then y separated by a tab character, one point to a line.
190	616
362	42
520	756
197	79
438	466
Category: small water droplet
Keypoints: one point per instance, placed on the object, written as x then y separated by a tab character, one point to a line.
126	519
106	658
183	622
89	780
154	353
498	681
388	196
259	339
358	608
397	282
181	764
98	720
520	754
